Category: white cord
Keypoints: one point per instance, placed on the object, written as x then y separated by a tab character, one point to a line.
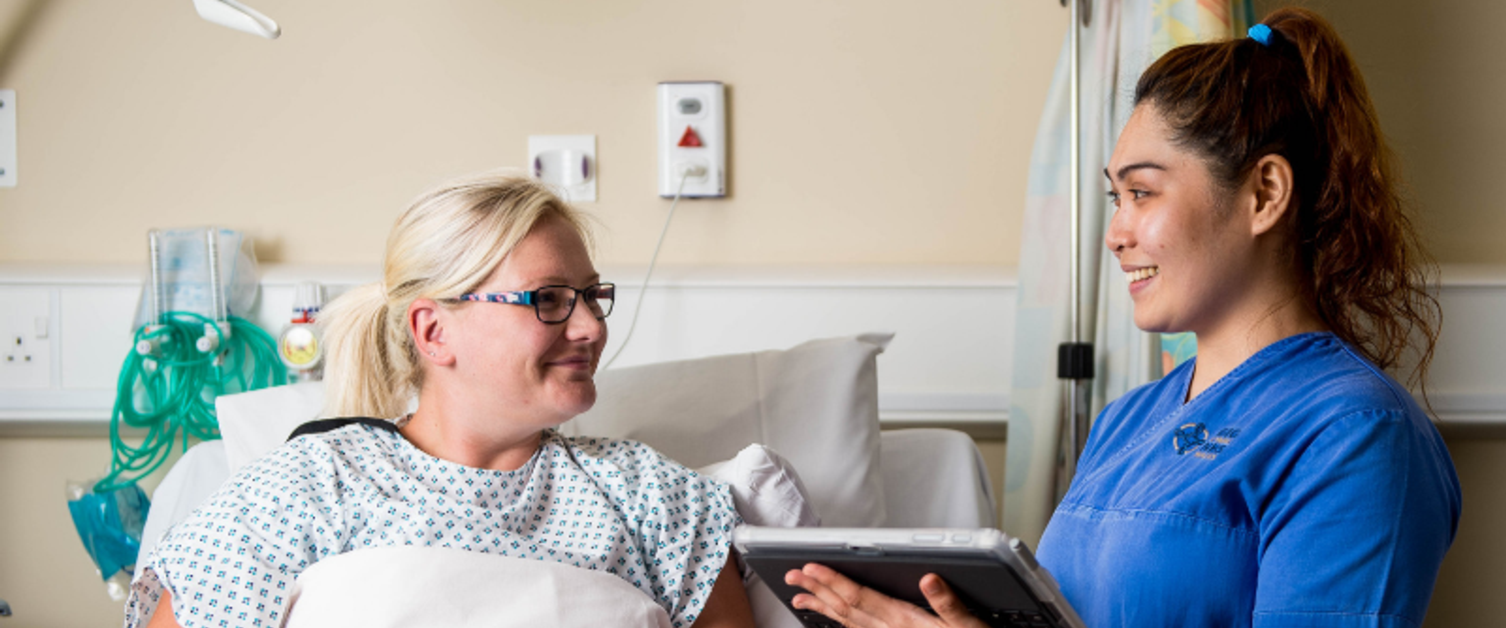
652	261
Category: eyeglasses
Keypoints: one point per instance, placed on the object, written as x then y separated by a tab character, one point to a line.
554	304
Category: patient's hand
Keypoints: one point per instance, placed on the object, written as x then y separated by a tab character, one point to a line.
856	606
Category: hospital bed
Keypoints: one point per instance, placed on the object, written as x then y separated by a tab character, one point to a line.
814	406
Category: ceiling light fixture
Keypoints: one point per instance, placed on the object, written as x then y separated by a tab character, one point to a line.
237	16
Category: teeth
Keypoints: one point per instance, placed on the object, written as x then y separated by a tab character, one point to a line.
1142	274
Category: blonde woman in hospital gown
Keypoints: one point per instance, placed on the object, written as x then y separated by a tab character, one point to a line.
491	312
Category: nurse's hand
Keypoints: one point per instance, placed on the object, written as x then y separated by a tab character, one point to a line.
856	606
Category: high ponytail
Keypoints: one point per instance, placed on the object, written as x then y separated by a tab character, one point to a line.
447	243
1300	95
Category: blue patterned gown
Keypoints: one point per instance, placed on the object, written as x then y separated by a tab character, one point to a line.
609	505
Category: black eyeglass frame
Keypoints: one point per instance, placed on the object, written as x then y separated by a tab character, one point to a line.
531	297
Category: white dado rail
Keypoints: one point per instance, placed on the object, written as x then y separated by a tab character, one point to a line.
949	363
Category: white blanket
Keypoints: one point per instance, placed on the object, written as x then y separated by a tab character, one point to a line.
420	586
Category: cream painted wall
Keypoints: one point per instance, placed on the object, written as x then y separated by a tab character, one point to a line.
908	124
861	131
1434	70
1468	593
45	573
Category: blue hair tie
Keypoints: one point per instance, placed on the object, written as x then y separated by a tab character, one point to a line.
1262	34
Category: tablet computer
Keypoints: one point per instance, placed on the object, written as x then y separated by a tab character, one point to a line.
995	575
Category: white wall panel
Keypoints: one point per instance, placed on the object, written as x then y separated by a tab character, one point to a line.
95	333
949	362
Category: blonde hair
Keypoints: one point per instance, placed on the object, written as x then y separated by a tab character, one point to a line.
447	243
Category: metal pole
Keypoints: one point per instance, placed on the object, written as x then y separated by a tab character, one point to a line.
1075	358
1076	200
1076	175
216	293
159	303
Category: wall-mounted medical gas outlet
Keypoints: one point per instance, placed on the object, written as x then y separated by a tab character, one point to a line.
693	139
7	138
567	162
26	338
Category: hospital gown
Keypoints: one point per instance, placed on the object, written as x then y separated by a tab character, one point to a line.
1305	488
609	505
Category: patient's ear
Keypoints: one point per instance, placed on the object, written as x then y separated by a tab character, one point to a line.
426	323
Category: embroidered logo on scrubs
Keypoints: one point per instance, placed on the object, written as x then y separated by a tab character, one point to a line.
1188	437
1193	437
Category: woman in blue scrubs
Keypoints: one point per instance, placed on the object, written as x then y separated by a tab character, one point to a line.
1281	478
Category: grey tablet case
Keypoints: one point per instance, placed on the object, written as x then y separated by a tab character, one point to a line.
996	576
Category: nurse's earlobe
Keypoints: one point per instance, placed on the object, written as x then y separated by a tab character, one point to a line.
1271	182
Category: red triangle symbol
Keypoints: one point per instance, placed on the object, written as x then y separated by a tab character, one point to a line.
690	139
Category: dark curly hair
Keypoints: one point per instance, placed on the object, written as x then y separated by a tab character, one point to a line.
1301	96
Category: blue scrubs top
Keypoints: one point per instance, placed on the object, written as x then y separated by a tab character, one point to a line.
1305	488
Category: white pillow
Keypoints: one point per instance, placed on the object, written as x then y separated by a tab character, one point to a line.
816	404
765	488
254	423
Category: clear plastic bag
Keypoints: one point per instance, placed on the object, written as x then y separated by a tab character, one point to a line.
109	524
183	266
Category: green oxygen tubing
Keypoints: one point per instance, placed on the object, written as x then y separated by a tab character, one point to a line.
169	391
179	364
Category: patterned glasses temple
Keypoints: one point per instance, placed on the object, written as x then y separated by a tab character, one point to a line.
559	301
516	298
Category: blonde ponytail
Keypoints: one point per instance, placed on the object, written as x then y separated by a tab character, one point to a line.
447	243
369	356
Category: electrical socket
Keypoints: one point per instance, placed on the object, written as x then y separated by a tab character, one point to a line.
26	324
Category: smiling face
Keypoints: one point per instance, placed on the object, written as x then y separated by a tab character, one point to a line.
531	372
1181	243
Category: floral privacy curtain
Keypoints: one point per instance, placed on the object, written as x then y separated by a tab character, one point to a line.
1124	37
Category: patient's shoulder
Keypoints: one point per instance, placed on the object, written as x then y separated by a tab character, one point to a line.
656	489
630	466
594	452
316	456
